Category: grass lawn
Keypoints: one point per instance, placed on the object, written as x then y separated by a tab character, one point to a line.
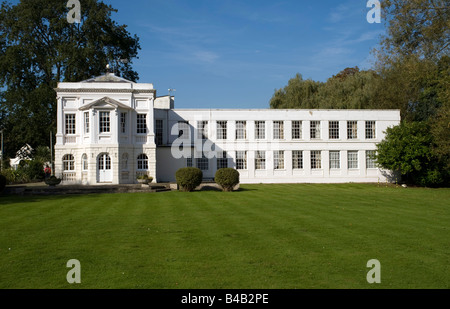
265	236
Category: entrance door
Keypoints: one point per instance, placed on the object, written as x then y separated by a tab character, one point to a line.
104	168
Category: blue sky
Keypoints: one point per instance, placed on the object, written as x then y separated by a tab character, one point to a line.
234	54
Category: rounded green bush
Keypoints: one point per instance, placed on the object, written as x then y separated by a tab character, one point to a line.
188	178
2	183
227	178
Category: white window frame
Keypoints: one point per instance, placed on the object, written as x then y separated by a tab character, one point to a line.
86	123
241	130
297	159
371	129
314	129
370	159
142	162
278	160
352	129
159	131
68	163
202	163
123	122
316	159
70	124
278	129
260	129
202	129
84	162
335	159
184	131
297	129
333	129
352	159
141	123
241	160
222	129
104	122
260	160
222	160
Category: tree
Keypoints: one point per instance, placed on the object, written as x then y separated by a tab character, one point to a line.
416	27
298	93
408	149
39	48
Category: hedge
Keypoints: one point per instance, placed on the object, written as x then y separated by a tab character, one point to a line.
227	178
188	178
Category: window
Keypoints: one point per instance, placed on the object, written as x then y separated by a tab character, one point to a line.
260	160
203	163
370	159
123	123
297	159
142	162
141	123
278	130
296	129
70	124
68	163
260	129
104	162
84	162
125	161
241	130
104	124
370	129
316	159
278	159
189	162
335	159
221	130
352	157
222	161
86	122
315	129
159	132
183	130
352	129
202	129
241	160
333	129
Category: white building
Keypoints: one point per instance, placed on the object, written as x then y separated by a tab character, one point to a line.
111	130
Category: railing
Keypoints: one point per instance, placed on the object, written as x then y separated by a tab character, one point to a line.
141	139
69	176
70	139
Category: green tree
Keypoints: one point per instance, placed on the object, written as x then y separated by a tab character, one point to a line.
39	48
408	149
298	93
416	27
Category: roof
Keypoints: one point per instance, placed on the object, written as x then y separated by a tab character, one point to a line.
105	101
108	78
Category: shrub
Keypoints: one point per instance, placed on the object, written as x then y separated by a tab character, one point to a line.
188	178
2	183
227	178
53	181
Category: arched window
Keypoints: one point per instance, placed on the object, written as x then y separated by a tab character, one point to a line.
68	163
125	161
142	162
84	162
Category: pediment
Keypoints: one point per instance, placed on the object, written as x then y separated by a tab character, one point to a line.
105	102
